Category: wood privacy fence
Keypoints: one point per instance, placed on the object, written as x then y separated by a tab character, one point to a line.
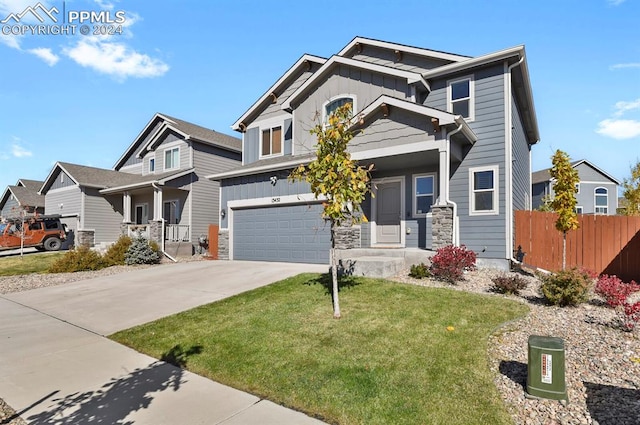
604	244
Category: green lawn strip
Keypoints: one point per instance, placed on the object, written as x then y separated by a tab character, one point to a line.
390	359
30	263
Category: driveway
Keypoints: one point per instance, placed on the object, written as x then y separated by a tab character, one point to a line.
56	366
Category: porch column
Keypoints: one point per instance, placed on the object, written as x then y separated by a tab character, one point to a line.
157	204
443	177
126	206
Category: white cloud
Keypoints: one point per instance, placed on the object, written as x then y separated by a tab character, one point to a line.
20	152
615	2
115	59
619	129
625	65
12	41
46	55
622	107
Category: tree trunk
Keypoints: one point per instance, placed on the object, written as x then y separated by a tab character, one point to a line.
564	250
334	275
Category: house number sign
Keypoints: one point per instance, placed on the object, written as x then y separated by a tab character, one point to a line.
275	200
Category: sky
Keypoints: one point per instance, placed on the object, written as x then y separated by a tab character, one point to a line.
84	98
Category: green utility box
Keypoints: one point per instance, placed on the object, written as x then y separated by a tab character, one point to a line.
545	378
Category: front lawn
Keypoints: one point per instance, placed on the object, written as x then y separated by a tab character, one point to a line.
29	263
400	354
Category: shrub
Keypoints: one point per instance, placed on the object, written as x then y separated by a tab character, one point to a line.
140	252
77	260
568	287
631	315
614	291
508	284
115	255
419	271
450	263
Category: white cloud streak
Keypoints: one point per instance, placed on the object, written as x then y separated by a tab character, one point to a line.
619	129
615	2
115	59
624	66
20	152
46	55
622	107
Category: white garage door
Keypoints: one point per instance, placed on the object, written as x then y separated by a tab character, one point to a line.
296	234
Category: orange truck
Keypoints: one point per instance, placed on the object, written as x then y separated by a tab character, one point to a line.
44	232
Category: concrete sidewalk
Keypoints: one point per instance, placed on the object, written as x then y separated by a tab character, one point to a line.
55	367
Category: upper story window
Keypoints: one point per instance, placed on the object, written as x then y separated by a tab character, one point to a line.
483	192
172	158
602	201
579	210
460	97
335	103
423	194
152	165
271	143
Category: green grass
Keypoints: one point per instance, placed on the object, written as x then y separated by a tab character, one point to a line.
390	359
30	263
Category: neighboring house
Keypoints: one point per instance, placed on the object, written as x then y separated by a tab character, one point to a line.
449	135
22	197
597	192
159	177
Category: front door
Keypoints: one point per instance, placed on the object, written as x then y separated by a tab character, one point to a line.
388	212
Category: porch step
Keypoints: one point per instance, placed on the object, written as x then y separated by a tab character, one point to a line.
372	266
179	249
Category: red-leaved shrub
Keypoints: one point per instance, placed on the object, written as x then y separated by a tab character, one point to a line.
614	291
450	263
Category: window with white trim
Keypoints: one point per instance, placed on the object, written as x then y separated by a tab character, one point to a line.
152	165
579	210
601	200
271	141
172	158
461	97
331	106
142	213
483	190
423	194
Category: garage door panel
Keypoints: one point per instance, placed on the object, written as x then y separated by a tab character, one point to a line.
287	233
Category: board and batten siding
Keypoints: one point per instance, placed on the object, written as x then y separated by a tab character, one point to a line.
251	148
387	57
62	180
67	201
484	234
259	186
273	110
205	194
521	159
11	208
103	214
133	158
367	86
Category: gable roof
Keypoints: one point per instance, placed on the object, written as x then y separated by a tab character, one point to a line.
33	185
25	196
186	129
545	175
277	87
411	77
101	178
444	118
403	48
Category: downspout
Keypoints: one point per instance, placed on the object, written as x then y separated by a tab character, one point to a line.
509	163
153	184
456	224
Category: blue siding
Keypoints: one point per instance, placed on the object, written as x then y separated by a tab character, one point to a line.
521	154
251	148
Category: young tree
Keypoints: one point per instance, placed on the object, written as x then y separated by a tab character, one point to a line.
335	176
631	192
564	201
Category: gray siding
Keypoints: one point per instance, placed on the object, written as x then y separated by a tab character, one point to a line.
387	57
586	197
258	186
185	153
521	154
251	147
365	85
538	192
61	180
590	174
102	214
205	194
71	200
400	127
133	158
11	208
480	232
274	109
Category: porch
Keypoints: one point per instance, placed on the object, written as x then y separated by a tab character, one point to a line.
172	232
